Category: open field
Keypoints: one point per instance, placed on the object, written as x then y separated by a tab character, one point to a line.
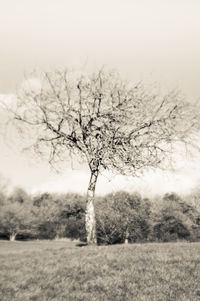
60	270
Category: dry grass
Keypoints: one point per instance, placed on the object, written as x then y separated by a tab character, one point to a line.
59	270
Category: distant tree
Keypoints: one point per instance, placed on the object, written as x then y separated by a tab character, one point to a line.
193	198
15	218
109	123
38	199
19	195
122	217
176	219
171	196
46	211
71	221
170	228
59	215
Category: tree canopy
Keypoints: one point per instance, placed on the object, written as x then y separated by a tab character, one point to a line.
118	125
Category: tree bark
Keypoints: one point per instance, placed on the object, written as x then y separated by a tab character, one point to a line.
90	219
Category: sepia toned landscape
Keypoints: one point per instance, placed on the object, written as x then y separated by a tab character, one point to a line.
99	150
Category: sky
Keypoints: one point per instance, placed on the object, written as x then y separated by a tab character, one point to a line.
144	40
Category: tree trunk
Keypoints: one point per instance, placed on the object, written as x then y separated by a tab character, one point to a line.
90	220
12	236
126	236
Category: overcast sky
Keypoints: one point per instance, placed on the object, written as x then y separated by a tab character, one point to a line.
152	40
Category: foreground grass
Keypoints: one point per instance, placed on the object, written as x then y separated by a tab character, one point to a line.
50	270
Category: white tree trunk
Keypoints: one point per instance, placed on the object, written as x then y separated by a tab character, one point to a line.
90	220
13	236
126	236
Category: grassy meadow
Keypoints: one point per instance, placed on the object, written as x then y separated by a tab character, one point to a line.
62	270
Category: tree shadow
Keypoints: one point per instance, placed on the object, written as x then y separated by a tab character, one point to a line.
81	245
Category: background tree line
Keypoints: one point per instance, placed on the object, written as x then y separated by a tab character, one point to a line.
121	217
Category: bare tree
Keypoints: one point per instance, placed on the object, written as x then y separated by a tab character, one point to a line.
109	123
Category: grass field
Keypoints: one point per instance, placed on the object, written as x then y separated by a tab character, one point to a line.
61	270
